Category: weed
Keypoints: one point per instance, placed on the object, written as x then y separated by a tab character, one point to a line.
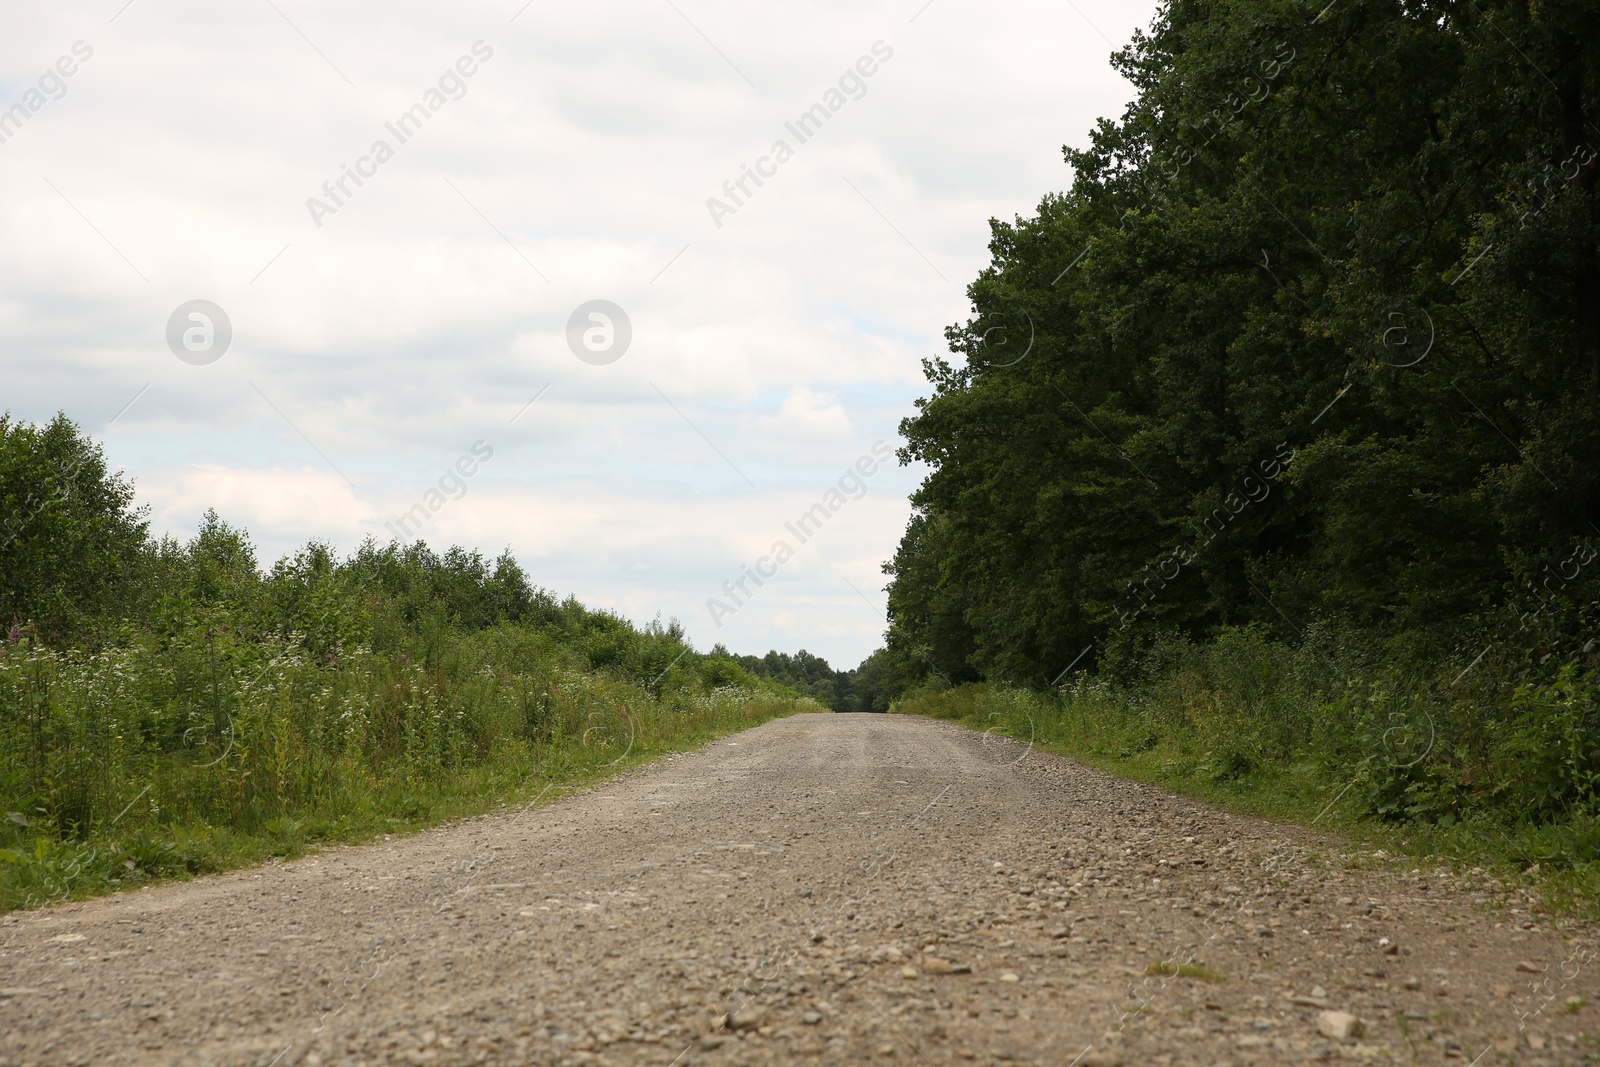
1172	969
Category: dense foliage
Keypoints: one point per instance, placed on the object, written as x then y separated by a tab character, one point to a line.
169	707
1315	335
70	541
1271	469
871	686
1333	730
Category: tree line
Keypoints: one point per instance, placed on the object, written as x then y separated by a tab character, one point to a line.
79	568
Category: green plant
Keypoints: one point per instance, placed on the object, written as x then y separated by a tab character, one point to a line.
1173	969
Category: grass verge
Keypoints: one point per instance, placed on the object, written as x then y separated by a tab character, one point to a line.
364	800
1552	864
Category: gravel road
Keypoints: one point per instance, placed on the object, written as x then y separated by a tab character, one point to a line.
822	889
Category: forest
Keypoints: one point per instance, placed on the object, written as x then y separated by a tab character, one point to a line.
1273	442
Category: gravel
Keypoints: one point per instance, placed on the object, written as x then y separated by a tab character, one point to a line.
828	889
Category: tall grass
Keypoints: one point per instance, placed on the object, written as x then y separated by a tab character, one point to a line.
146	758
1500	764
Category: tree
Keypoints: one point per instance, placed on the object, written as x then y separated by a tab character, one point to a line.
71	540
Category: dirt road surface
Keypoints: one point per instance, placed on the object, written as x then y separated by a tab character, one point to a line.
836	889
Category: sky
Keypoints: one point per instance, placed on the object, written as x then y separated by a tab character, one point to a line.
625	287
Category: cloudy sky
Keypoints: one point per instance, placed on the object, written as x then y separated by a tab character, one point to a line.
385	325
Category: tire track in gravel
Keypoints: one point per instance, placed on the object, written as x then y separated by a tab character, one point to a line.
820	889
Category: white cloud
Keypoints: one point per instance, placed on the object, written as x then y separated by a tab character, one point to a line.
407	327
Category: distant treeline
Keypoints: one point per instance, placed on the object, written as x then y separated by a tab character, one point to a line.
871	686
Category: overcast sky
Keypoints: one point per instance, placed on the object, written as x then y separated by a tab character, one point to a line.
556	154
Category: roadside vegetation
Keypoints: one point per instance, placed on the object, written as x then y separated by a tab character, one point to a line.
1268	466
170	708
1495	769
